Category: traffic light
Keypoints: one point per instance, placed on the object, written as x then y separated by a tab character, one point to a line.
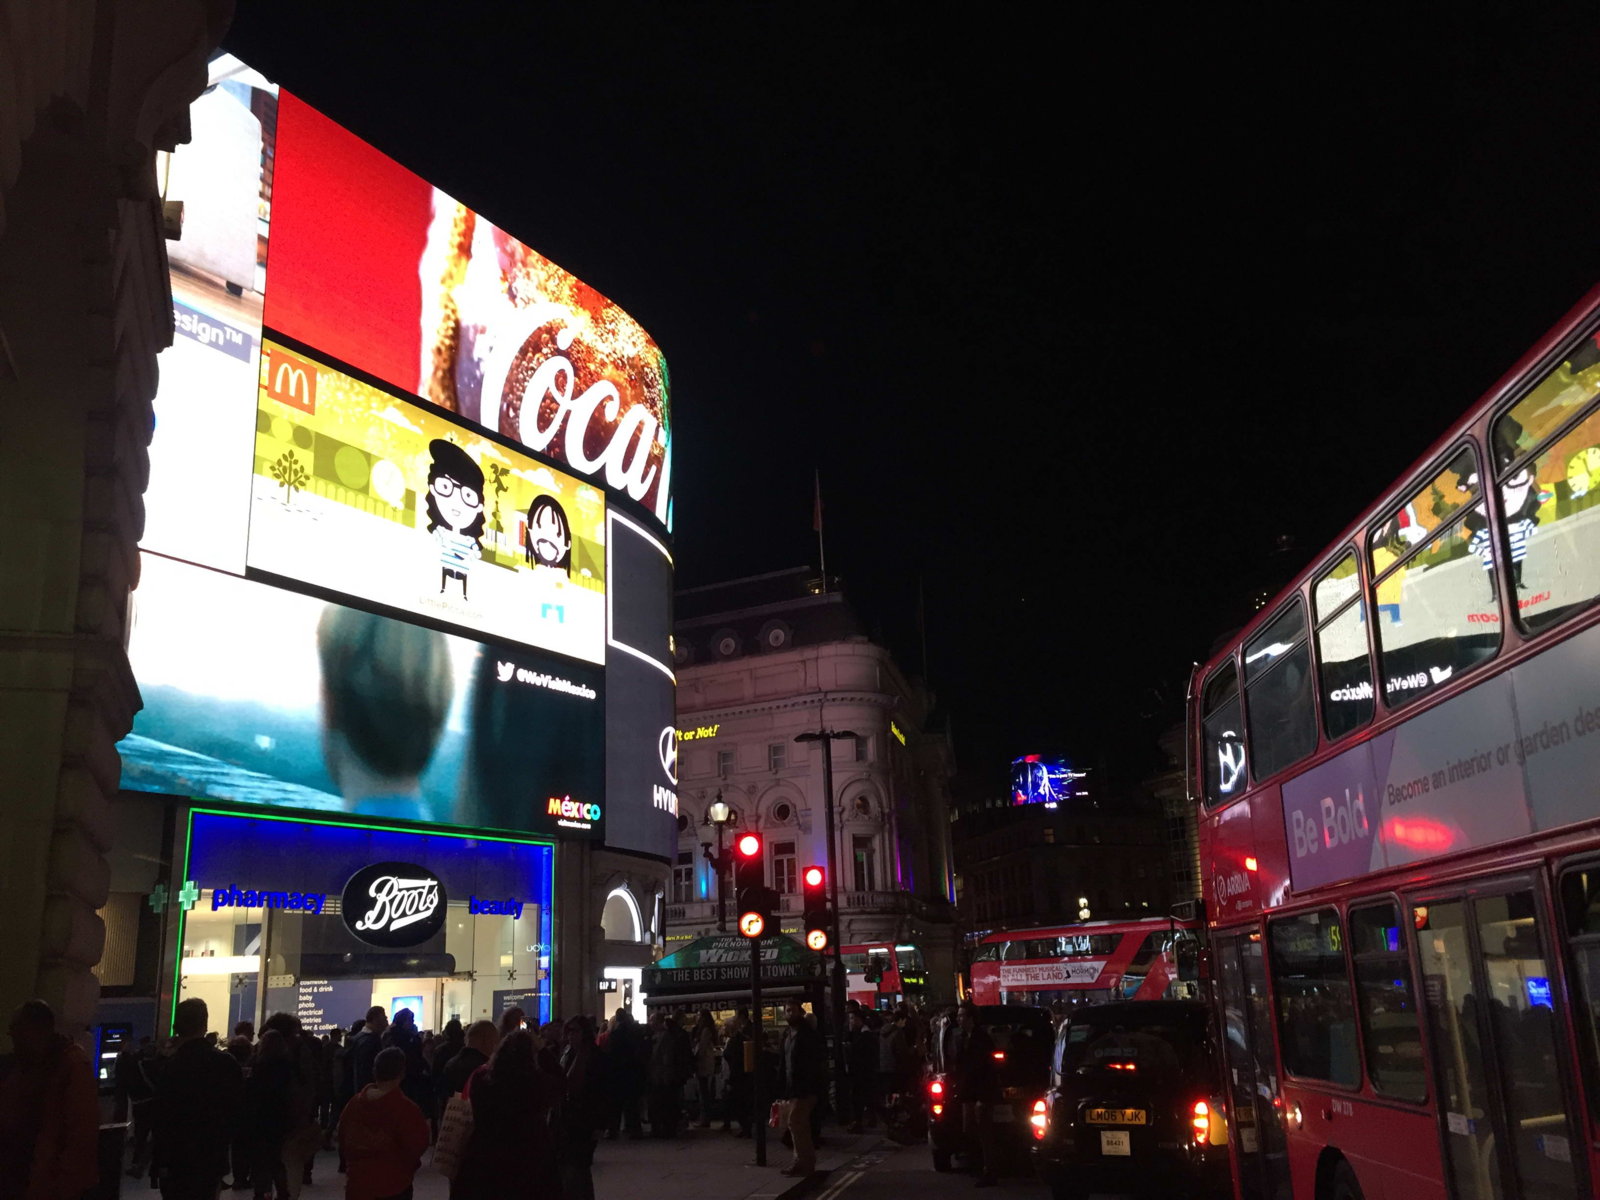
814	886
756	900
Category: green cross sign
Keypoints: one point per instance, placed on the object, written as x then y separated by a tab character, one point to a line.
188	894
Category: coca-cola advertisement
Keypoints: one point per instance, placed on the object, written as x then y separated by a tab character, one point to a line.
453	309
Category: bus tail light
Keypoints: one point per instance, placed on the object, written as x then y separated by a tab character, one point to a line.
936	1089
938	1109
1040	1120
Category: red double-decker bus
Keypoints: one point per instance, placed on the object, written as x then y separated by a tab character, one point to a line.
1398	789
1147	959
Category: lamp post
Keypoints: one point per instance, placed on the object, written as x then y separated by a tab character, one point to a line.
826	737
718	814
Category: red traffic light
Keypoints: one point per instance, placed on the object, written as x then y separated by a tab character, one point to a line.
748	845
752	924
813	877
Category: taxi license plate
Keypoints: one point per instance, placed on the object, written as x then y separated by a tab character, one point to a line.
1116	1141
1116	1116
1000	1112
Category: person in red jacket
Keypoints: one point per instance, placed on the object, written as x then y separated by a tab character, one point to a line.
382	1134
49	1116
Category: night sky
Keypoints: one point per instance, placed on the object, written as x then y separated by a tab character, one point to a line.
1076	319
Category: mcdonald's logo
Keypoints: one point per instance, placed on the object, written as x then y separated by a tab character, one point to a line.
290	380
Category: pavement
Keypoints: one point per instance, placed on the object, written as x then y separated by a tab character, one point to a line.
703	1164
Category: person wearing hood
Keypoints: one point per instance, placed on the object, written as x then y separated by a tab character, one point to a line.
383	1134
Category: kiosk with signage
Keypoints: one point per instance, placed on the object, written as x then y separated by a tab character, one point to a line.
714	972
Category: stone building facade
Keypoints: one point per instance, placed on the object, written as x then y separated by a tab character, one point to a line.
761	661
96	89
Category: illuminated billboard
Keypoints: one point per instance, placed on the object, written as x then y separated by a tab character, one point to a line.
1042	779
364	494
258	695
380	399
455	310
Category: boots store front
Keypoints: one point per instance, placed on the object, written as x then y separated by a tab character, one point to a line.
401	630
324	920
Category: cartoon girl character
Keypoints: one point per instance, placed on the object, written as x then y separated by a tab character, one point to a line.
549	535
455	510
1519	498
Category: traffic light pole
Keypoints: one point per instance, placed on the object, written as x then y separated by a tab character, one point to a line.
840	1062
757	1092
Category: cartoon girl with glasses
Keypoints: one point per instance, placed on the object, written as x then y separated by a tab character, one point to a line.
455	511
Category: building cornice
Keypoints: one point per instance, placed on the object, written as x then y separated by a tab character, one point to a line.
883	700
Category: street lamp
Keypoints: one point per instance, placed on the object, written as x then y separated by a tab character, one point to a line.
826	737
720	814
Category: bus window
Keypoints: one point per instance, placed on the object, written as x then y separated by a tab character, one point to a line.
1580	904
1437	614
1316	1014
1277	690
1224	737
1546	498
1388	1003
1346	670
988	952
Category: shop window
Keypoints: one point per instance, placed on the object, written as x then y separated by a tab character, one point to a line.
1224	738
272	931
1437	615
1389	1020
1277	685
1316	1013
1546	497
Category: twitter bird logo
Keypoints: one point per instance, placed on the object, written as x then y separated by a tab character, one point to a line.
505	670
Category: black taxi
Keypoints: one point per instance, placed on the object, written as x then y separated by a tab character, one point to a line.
1134	1104
1018	1038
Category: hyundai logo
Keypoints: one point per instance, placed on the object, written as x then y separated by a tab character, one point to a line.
667	747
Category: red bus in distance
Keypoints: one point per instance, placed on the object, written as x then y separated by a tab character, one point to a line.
1399	822
883	975
1153	958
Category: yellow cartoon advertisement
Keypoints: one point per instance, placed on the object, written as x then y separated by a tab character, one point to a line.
367	495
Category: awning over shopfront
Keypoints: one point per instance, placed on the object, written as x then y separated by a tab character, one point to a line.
720	966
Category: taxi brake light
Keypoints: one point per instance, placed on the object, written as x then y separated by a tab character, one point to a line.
1201	1121
1040	1120
999	1056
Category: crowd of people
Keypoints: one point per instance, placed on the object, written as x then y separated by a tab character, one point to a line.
250	1112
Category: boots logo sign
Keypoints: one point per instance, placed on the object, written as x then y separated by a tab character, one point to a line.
393	904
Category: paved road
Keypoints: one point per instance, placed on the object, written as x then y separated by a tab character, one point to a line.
890	1172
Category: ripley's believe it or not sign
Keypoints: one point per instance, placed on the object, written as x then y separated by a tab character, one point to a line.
409	486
